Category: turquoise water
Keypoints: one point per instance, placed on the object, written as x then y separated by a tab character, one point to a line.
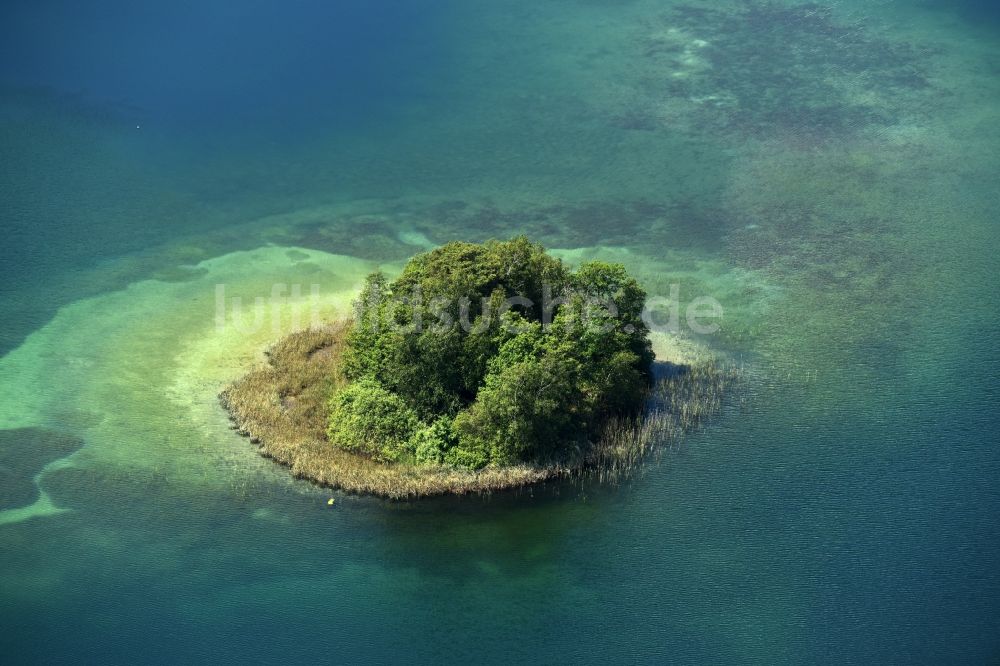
826	172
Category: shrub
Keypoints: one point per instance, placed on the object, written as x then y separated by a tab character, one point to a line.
366	418
431	443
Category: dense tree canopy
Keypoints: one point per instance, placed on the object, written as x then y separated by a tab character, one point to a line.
490	354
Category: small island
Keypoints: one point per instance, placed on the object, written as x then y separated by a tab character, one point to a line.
480	367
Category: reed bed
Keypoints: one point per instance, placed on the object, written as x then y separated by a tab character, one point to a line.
682	399
281	407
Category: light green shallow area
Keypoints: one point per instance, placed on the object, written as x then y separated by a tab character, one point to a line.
136	372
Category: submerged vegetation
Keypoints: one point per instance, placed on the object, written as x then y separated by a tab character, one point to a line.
766	68
481	367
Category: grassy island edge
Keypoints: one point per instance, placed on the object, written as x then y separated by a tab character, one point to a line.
281	407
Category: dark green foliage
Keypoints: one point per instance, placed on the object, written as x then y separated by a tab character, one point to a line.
525	409
432	443
366	418
490	354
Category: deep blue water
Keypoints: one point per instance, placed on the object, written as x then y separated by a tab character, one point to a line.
215	67
206	112
845	514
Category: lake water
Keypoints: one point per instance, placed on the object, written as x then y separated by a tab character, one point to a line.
827	172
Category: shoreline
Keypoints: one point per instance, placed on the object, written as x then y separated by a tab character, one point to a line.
281	408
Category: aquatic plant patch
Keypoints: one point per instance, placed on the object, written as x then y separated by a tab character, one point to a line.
764	69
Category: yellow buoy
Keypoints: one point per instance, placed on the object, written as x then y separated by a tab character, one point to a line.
329	501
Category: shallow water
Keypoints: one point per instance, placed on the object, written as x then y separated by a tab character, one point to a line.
836	195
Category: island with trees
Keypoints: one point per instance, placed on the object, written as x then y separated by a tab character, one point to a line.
480	367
